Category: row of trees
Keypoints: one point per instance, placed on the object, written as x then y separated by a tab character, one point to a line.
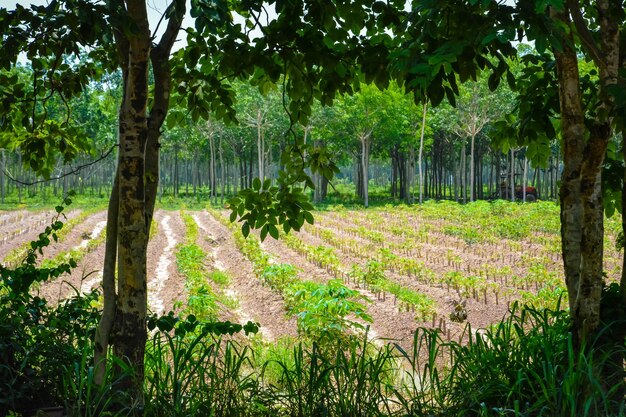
376	135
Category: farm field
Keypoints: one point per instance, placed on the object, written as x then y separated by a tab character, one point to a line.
439	265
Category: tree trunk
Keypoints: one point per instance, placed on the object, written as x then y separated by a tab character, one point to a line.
410	177
472	168
133	195
573	131
2	180
512	176
212	173
463	172
103	331
365	168
421	152
222	171
525	173
582	216
260	144
130	318
394	154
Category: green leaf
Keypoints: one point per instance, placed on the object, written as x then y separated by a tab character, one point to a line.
273	231
264	231
493	82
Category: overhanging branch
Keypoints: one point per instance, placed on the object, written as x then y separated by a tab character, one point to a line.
73	171
584	34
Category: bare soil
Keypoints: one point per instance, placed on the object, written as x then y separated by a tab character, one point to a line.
257	303
260	304
166	285
68	285
22	226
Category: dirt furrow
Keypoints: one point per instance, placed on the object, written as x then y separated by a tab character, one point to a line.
479	315
26	229
79	235
87	267
166	286
257	303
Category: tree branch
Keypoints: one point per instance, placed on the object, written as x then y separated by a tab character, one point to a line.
584	34
173	26
71	172
121	41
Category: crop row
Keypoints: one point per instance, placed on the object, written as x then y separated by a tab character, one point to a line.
16	255
371	277
202	300
325	312
500	281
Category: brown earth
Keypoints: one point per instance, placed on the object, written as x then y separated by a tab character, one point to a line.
257	302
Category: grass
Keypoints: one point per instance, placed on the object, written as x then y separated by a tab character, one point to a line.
525	366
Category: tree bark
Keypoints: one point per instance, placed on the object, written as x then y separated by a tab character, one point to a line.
134	192
222	171
512	176
525	173
260	144
103	331
421	152
130	322
472	167
573	131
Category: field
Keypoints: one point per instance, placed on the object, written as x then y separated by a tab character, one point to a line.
439	265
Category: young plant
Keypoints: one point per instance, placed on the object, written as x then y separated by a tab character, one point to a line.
327	312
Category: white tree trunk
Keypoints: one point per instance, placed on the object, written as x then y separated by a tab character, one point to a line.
260	144
419	164
524	179
365	168
472	174
512	175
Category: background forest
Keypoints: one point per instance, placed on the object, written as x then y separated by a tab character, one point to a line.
374	132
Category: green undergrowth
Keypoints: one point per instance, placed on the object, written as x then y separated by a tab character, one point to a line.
41	201
526	366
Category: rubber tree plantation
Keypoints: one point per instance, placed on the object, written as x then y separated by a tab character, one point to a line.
318	51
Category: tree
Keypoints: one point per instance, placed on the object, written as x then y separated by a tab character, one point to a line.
360	117
314	45
473	115
446	45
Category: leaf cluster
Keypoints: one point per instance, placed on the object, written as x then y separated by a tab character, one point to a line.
191	325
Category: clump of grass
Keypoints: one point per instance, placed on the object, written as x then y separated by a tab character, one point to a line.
198	375
221	278
524	366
